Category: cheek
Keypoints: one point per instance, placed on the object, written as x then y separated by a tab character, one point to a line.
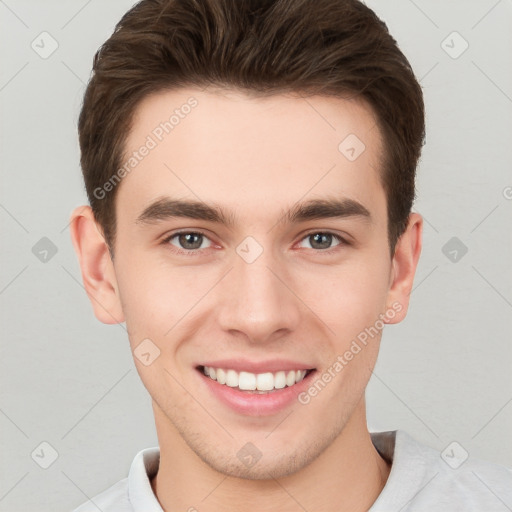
155	296
348	298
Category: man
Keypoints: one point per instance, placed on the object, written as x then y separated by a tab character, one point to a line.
250	167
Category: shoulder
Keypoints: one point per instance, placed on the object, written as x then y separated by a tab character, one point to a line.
479	484
113	499
423	478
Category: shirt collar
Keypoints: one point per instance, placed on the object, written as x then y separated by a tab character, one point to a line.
143	468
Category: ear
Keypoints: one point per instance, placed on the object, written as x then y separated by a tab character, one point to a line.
404	263
98	274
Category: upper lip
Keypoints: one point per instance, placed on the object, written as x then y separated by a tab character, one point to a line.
272	366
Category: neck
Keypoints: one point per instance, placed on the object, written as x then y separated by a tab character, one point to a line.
348	476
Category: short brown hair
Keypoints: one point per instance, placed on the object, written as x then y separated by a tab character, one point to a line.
324	47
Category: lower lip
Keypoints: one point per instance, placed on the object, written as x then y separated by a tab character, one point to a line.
256	404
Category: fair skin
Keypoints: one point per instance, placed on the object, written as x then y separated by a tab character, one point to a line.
255	159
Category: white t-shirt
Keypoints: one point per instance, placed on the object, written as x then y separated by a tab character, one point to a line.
421	480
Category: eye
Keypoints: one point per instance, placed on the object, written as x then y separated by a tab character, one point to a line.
188	241
322	240
191	242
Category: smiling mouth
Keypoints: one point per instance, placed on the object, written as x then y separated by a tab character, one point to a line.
259	383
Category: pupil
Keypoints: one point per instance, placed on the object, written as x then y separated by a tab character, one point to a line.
187	240
323	240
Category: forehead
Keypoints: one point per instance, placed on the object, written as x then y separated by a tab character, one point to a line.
250	153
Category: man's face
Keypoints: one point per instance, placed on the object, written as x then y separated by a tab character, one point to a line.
264	292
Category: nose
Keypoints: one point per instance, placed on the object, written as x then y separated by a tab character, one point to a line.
259	302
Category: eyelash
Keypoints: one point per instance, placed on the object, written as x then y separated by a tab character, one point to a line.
194	252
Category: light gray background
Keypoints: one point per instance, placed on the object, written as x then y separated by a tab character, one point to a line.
443	375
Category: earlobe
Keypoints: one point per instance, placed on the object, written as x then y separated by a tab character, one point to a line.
98	274
405	262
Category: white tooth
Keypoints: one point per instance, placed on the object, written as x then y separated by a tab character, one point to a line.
221	376
247	381
280	380
290	378
231	379
251	382
265	381
299	375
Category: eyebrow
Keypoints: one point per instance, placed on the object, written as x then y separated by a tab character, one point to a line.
167	208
